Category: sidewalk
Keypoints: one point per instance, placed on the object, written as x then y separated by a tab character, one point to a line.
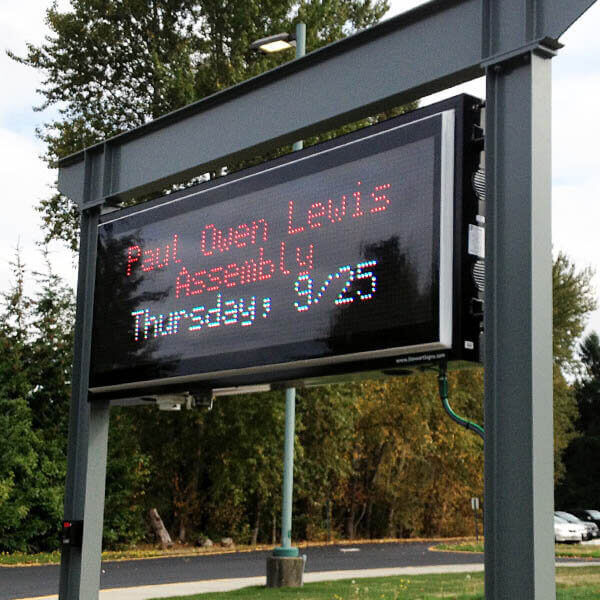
224	585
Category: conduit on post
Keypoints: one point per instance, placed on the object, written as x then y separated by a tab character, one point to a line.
443	387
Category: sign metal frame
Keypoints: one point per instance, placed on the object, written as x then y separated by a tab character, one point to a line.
435	46
458	206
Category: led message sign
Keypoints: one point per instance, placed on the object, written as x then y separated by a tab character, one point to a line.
313	264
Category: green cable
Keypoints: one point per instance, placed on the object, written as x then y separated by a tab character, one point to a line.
443	386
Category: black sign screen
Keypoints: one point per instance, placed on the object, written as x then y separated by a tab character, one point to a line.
334	253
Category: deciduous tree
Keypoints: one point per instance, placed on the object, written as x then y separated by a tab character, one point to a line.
110	66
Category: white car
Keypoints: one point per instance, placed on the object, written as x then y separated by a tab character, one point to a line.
567	532
591	529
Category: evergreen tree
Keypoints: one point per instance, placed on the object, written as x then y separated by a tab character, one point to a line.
18	466
127	482
49	354
581	485
573	299
588	386
31	478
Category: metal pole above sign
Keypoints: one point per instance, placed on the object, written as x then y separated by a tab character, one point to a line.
437	45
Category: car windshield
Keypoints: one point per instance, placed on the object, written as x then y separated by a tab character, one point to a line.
595	514
558	519
568	517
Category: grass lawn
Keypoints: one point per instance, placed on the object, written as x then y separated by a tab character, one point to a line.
21	558
562	550
572	584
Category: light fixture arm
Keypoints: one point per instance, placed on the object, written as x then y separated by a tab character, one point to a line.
263	44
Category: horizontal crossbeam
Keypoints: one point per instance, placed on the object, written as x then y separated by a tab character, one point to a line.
435	46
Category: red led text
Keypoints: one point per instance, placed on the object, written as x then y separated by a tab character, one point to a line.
335	211
152	258
214	240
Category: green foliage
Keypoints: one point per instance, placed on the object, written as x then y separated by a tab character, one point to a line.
580	487
36	346
565	418
245	434
374	458
587	387
325	424
18	465
49	355
377	458
31	453
173	444
216	472
573	298
127	478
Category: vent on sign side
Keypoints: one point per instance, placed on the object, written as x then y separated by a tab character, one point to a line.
479	184
479	275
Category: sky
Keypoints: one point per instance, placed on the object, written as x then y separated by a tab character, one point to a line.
575	143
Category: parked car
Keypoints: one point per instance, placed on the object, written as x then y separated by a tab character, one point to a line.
588	515
567	532
591	529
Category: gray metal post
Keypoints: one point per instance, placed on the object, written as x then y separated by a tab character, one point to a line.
300	52
290	402
93	515
519	543
88	435
288	477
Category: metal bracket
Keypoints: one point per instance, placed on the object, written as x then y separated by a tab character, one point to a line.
98	177
545	47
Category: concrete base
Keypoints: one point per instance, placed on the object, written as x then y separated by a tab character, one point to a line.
284	571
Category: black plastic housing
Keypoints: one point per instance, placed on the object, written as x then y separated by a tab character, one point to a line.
466	301
71	533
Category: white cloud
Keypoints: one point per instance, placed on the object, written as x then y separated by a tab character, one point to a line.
575	219
20	22
400	6
25	181
576	159
25	177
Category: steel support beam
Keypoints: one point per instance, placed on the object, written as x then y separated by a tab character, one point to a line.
88	436
433	47
519	494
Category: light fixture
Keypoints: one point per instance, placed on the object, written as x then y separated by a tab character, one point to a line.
274	43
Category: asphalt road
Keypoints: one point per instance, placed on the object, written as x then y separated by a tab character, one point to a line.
26	582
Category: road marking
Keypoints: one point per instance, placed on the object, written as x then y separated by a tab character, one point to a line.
349	549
